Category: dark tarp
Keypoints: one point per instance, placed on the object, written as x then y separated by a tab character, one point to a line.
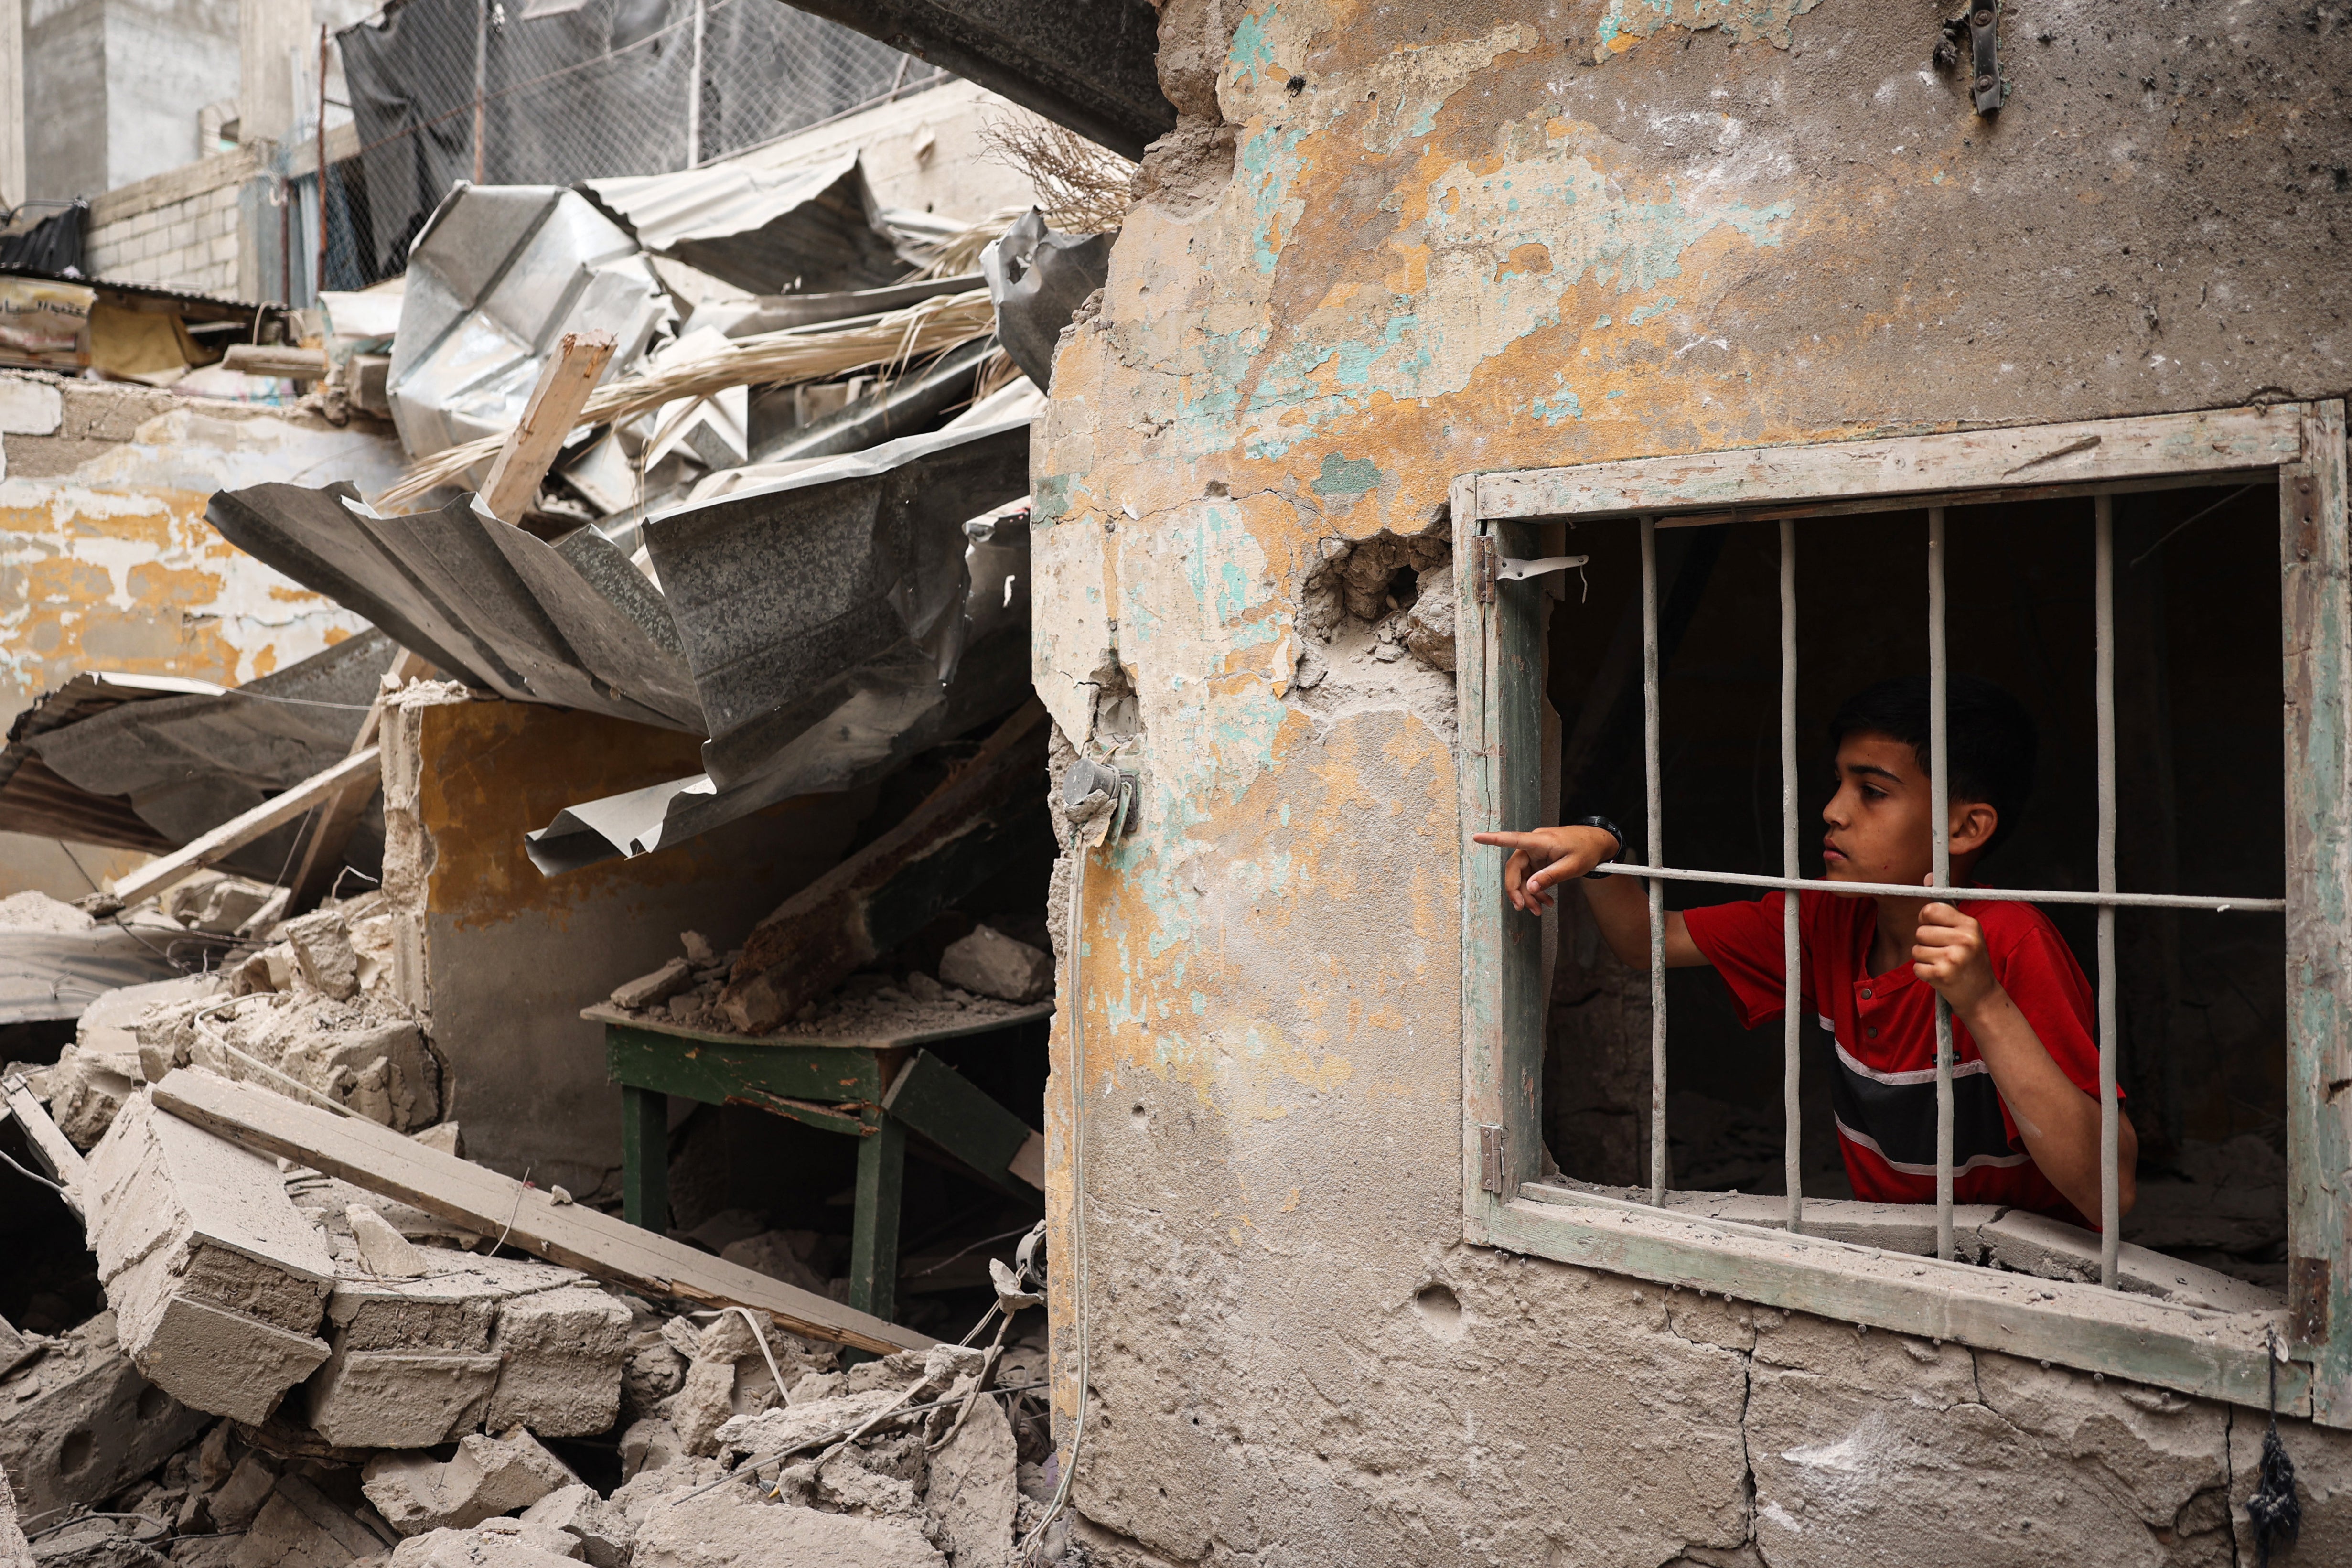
571	623
600	88
144	770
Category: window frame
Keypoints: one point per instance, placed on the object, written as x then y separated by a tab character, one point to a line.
1500	664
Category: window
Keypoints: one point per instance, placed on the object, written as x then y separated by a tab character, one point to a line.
1896	1270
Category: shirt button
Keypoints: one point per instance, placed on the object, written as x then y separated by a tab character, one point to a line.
1865	992
1873	1033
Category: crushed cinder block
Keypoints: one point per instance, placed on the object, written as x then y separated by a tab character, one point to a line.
994	964
601	1530
975	1488
381	1070
562	1353
217	903
653	1370
726	1377
301	1526
270	970
650	1444
494	1543
444	1136
217	1283
93	1543
659	986
733	1527
79	1422
99	1070
322	953
488	1477
399	1399
240	1498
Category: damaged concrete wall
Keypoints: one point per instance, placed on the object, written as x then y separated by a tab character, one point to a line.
503	958
107	562
1392	244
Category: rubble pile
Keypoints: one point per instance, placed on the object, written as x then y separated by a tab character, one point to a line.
986	976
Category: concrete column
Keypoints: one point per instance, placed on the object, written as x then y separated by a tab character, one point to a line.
12	102
269	32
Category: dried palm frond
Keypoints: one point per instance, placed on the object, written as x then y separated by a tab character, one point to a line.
815	352
1083	188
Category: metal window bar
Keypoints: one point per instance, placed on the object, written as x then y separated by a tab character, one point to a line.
1657	873
1791	944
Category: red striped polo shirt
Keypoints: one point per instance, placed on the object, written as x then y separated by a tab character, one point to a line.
1884	1091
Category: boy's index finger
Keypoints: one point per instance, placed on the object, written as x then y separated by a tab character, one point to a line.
1506	840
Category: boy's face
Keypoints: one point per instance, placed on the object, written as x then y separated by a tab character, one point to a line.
1879	818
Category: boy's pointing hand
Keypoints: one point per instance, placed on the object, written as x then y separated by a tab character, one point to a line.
1545	857
1948	953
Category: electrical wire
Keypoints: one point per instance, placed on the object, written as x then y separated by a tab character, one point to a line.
1077	1208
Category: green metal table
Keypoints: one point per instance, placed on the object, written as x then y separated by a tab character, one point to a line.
875	1090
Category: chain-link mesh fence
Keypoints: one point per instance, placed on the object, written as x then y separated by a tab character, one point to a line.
552	91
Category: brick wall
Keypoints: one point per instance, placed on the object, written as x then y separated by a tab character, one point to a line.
180	229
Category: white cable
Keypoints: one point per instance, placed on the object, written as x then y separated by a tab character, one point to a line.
1077	1205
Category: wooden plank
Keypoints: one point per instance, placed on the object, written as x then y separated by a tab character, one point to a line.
2103	451
322	853
2315	563
531	447
980	820
943	1105
715	1072
873	1240
381	1160
239	831
49	1146
2212	1355
293	363
645	1158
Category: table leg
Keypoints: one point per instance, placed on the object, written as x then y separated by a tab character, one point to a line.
645	1157
874	1244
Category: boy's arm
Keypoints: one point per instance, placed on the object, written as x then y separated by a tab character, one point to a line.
2059	1123
1548	857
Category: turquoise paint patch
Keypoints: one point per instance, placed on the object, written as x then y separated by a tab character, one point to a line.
1556	408
1619	393
1599	322
1641	314
1346	476
1252	52
1270	159
1050	499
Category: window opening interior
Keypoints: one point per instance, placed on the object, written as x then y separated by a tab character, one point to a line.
2200	997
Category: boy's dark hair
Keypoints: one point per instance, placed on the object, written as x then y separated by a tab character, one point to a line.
1992	738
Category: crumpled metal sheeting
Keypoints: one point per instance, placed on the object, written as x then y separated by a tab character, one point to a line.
878	727
184	764
50	976
912	400
499	608
768	230
498	275
791	596
1037	279
777	312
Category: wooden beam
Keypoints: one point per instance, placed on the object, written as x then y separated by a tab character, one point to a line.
322	855
49	1146
239	831
569	375
965	831
277	359
934	1100
381	1160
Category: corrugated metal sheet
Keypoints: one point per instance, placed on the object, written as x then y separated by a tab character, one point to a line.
770	231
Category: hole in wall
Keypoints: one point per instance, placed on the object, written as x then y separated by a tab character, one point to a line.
74	1455
1440	1311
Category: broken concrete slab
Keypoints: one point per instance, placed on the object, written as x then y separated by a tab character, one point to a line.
399	1399
322	953
92	1543
494	1543
562	1353
217	1283
81	1421
488	1477
2051	1250
732	1528
601	1530
975	1488
301	1526
239	1499
382	1250
994	964
15	1348
659	986
103	1067
650	1444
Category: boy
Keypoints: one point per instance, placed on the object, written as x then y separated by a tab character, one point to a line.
2025	1052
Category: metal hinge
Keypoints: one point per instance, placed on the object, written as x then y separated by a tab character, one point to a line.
1490	1159
1984	45
1482	567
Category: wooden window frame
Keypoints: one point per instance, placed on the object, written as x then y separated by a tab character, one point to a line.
2195	1351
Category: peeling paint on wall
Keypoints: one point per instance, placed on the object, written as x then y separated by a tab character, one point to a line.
105	560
